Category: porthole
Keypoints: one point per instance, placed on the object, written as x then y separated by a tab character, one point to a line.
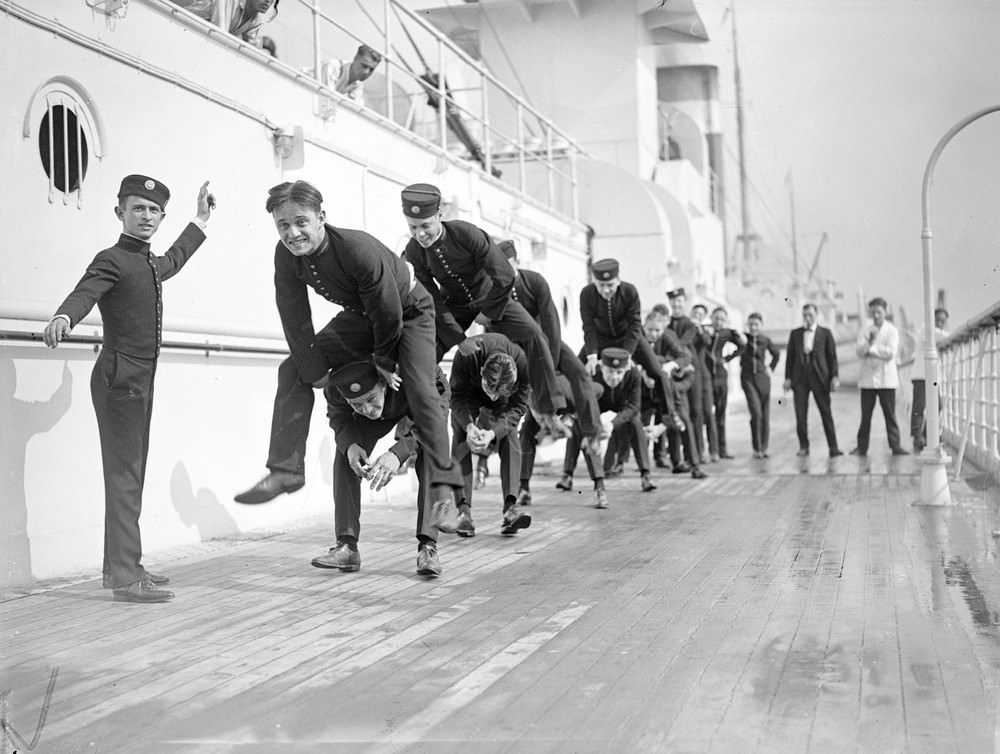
62	145
63	122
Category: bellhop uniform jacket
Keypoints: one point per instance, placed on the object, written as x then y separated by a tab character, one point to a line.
126	283
617	322
357	272
464	269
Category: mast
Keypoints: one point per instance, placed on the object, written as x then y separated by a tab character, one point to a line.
747	235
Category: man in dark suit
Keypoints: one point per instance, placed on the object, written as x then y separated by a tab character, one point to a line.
811	367
125	281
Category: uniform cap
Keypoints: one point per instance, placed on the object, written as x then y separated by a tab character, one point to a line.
508	248
616	358
605	269
421	200
146	187
676	293
355	379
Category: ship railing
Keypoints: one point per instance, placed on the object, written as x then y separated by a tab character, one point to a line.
482	119
969	371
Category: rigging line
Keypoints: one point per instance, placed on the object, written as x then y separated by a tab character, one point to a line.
395	51
764	203
510	63
406	31
370	18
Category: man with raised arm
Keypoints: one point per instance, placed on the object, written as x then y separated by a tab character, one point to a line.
125	281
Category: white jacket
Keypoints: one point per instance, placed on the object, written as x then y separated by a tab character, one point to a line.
877	349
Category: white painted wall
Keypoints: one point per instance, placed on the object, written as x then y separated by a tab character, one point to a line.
212	414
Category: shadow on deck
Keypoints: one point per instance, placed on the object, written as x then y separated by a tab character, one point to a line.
782	605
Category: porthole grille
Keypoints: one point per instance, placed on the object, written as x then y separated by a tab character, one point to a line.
62	145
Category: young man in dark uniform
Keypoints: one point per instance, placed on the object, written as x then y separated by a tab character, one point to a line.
489	396
701	389
610	312
532	291
126	283
677	362
471	281
619	384
691	338
362	410
716	358
386	312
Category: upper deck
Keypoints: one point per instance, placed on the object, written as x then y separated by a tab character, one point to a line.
785	605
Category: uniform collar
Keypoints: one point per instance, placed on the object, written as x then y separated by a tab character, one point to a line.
131	243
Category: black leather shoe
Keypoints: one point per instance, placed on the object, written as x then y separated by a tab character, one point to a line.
726	456
514	519
523	497
835	452
647	483
142	591
900	452
859	452
697	473
427	559
341	557
565	484
681	468
268	488
803	452
661	464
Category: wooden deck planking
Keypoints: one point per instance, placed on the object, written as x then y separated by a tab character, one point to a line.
783	605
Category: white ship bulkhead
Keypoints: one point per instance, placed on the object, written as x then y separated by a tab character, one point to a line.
145	87
158	93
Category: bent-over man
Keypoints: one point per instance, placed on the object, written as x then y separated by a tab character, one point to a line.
489	396
363	409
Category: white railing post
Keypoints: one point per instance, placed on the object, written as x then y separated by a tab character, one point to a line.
934	488
520	145
387	52
317	53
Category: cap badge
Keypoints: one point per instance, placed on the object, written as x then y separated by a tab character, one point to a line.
355	387
150	185
415	209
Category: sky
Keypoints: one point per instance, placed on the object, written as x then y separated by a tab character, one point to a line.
850	98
